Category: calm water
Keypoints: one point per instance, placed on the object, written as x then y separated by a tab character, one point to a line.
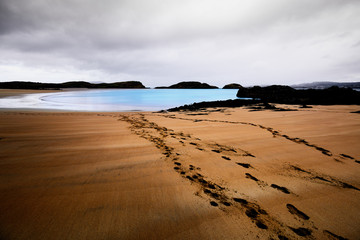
117	100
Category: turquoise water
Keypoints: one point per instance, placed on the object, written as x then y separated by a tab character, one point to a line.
118	99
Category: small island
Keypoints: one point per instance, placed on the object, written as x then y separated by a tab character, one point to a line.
189	85
232	86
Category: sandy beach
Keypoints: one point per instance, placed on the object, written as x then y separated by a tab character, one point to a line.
214	174
16	92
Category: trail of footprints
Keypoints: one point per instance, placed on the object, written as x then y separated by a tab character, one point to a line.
275	133
218	195
320	178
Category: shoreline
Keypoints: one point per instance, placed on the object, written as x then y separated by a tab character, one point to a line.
17	92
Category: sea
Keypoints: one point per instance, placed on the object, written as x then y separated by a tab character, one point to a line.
107	100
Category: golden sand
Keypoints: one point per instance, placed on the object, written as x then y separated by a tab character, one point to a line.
214	174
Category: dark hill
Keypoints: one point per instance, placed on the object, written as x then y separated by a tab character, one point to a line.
323	85
232	86
190	85
75	84
128	84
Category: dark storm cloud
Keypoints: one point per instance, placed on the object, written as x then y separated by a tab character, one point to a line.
161	42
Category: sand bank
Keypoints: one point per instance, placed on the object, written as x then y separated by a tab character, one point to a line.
16	92
216	174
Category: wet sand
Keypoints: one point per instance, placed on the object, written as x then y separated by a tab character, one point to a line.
15	92
215	174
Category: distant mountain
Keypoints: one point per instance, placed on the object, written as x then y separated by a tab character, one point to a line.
190	85
232	86
323	85
75	84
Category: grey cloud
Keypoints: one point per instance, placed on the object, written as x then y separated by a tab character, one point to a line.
220	41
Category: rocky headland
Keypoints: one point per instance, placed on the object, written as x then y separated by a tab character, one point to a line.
73	84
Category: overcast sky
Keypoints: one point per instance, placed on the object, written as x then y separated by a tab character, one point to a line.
162	42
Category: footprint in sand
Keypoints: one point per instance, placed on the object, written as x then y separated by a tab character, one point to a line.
241	200
248	175
282	189
260	224
346	156
301	231
226	204
333	236
293	210
245	165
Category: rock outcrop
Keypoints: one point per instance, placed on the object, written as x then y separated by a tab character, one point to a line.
288	95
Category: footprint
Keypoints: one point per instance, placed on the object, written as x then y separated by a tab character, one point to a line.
301	231
293	210
240	200
190	178
333	236
346	185
226	204
282	189
251	213
214	195
247	154
261	225
322	179
245	165
299	169
248	175
207	191
346	156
